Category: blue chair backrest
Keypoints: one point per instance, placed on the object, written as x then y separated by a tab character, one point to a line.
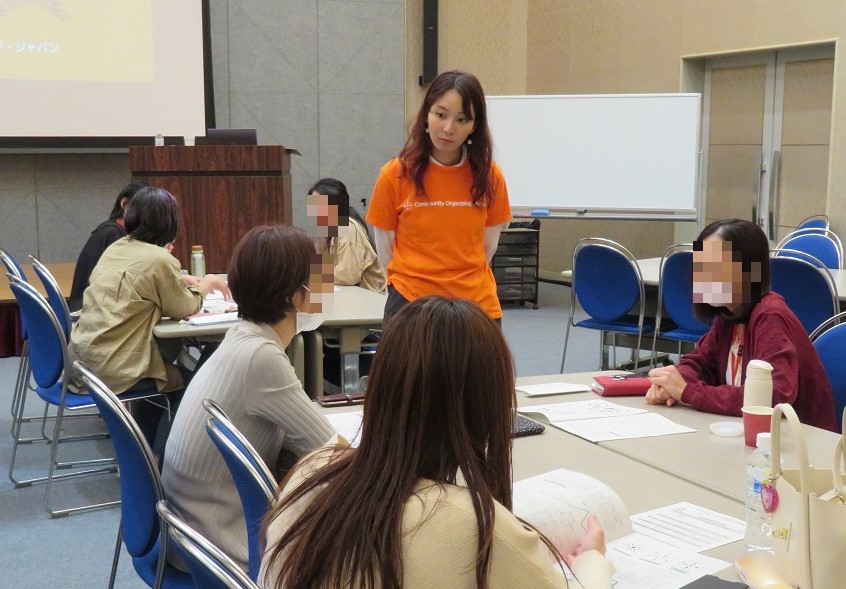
820	246
14	268
805	290
55	298
605	282
47	345
677	292
813	223
255	490
12	265
831	348
140	483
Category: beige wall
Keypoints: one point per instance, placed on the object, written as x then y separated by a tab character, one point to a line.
486	37
608	46
500	41
594	46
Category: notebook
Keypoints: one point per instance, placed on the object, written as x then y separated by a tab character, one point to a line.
200	319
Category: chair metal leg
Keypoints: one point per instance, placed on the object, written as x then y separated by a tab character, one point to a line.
654	359
614	349
636	351
603	351
19	379
52	476
566	340
116	557
163	549
108	466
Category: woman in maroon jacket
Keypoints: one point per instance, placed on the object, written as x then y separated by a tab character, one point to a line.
731	285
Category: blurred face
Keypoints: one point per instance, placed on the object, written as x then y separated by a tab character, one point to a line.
449	126
326	215
316	297
717	278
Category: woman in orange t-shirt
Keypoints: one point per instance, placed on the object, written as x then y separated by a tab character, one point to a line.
438	208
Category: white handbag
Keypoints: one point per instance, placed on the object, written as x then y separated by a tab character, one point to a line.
809	532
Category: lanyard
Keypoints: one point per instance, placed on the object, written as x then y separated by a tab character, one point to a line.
736	353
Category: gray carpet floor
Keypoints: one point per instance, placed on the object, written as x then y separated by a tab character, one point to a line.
76	551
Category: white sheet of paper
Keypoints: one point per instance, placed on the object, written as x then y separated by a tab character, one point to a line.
558	503
646	563
551	388
575	410
348	424
644	425
688	526
215	303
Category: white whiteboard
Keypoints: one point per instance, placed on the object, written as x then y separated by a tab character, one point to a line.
593	153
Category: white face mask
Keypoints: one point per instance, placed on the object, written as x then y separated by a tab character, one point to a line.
716	294
308	321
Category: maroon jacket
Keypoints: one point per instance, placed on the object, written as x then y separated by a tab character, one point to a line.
774	334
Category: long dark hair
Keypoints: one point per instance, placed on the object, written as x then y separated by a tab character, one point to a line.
440	401
750	247
339	197
418	147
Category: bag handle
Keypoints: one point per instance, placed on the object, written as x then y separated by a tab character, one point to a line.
775	453
839	461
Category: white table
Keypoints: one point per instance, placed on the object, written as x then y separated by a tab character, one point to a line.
701	458
640	486
354	311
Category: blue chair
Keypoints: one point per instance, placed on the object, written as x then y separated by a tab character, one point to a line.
49	364
13	268
254	481
55	297
675	294
210	567
830	342
141	529
822	244
607	283
814	222
808	289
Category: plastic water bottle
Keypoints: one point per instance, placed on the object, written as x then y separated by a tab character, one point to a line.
198	261
159	140
759	523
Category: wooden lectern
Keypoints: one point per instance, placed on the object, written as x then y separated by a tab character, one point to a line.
223	190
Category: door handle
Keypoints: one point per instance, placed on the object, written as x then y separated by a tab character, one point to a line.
775	192
756	201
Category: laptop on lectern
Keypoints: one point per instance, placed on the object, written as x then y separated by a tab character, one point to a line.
228	137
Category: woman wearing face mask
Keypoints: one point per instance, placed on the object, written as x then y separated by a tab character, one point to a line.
439	207
731	285
250	377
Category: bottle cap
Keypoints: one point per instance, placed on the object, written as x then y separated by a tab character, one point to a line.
759	369
764	441
196	248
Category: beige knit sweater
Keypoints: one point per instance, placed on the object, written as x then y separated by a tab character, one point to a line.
440	543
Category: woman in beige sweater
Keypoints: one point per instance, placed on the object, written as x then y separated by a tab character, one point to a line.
344	237
425	499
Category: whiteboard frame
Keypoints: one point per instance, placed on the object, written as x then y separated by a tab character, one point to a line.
692	185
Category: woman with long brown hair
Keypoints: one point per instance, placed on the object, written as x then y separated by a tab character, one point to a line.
438	208
425	499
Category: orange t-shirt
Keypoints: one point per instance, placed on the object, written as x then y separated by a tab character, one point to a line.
440	237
